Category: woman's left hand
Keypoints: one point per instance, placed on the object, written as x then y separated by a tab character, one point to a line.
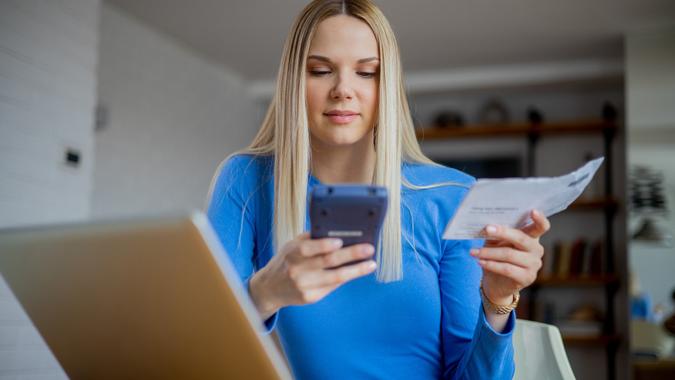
511	258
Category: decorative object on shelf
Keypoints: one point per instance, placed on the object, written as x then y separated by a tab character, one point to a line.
534	116
652	232
646	185
641	306
648	206
650	340
585	320
448	118
494	112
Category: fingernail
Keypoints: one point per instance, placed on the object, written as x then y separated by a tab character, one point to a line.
474	251
491	229
371	265
535	213
481	262
337	243
367	249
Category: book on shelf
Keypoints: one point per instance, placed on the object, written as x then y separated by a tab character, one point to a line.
574	259
578	253
596	258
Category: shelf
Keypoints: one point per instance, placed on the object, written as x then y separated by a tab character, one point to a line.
513	129
577	281
602	340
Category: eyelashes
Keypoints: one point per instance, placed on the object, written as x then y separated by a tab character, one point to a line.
321	73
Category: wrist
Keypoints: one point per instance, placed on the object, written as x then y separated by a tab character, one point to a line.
504	301
495	297
499	305
262	300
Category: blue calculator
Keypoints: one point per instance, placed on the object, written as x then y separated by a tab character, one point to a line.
353	213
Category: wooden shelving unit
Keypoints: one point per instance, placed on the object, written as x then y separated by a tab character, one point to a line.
595	204
514	129
600	341
578	281
607	204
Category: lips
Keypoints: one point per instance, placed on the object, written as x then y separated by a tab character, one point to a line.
341	116
341	113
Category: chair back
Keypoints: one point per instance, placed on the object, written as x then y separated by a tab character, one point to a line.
539	352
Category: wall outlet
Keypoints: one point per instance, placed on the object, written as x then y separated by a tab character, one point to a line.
73	157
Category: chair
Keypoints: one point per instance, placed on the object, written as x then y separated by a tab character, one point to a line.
539	352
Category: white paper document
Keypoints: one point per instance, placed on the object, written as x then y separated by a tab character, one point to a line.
509	201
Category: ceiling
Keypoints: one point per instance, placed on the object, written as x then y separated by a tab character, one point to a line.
247	35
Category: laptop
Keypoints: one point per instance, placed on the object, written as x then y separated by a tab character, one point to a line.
142	299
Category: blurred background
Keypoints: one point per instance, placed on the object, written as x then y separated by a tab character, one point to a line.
121	108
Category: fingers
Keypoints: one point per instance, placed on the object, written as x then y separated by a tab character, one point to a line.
515	237
341	256
540	226
315	294
523	277
306	269
338	276
506	255
305	247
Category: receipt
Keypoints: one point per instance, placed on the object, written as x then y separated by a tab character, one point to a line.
509	201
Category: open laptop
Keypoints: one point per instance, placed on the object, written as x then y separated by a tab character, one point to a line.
151	299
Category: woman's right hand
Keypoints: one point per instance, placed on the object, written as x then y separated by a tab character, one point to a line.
304	271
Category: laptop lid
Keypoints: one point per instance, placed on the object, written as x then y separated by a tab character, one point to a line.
138	299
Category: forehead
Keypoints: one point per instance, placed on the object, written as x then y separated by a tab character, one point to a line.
344	38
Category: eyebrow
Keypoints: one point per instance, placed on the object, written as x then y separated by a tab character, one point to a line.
326	59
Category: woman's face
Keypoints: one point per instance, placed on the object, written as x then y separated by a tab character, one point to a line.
342	81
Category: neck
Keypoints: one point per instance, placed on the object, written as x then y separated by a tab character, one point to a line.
354	163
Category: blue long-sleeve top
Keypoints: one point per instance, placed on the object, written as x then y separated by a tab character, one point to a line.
429	325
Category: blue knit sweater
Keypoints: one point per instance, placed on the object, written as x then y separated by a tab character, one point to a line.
429	325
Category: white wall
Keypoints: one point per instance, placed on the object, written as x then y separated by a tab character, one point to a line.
650	94
47	96
48	53
173	117
650	78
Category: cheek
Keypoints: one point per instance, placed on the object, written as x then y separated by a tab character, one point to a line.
316	97
371	100
311	98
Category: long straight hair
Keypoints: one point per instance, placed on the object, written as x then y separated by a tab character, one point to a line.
285	134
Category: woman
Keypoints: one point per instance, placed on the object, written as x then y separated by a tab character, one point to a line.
340	114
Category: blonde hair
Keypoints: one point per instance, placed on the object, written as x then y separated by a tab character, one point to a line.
285	132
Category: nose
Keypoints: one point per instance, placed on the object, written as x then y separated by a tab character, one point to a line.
342	88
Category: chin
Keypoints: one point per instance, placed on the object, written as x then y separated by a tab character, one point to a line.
339	141
340	137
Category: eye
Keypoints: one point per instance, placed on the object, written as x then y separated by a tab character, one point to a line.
319	73
366	74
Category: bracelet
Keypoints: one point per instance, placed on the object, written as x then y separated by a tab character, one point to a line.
499	309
